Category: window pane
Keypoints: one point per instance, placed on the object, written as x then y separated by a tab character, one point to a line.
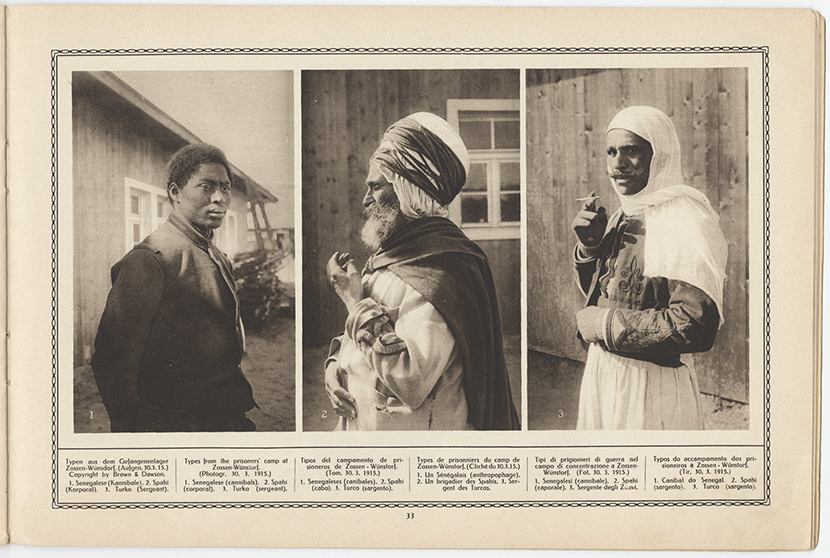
135	204
510	209
474	209
507	134
160	209
477	179
510	177
136	233
476	135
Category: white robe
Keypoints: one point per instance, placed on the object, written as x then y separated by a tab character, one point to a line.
412	378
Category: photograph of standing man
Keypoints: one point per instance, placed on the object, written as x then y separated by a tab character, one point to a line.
422	348
170	343
653	275
647	169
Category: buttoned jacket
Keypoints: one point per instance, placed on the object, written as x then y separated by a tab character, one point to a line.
170	336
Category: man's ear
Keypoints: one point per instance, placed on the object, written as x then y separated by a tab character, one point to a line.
173	190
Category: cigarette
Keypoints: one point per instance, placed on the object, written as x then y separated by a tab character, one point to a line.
589	198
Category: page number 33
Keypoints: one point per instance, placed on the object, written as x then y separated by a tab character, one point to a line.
410	515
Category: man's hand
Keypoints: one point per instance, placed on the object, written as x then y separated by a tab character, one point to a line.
341	400
587	321
345	279
589	224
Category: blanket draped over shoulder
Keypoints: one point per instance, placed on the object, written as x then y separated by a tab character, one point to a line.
435	258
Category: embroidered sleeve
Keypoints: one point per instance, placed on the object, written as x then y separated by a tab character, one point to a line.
370	324
688	325
409	347
381	336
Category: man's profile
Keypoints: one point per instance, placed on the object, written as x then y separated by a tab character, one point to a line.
422	347
653	275
169	346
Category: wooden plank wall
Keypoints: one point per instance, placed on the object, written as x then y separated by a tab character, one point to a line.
110	142
567	113
345	113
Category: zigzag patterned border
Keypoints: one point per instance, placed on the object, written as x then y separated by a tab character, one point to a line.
57	54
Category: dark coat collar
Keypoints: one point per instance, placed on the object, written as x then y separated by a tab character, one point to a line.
191	232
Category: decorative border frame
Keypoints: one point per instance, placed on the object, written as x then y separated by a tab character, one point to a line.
763	50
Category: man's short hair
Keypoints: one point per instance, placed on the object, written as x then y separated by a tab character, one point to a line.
188	159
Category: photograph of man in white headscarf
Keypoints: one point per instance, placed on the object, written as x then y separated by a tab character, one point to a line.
655	336
652	274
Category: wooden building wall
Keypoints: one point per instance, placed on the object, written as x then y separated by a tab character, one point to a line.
111	140
567	113
345	113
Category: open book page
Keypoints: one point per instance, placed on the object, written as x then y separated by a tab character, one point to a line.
139	400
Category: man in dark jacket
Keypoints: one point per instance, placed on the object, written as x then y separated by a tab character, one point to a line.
170	342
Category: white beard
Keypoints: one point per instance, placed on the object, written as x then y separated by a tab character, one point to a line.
381	221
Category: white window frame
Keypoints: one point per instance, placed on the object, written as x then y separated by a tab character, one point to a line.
494	229
150	221
225	239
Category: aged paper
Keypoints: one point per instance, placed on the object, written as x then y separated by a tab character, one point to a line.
747	484
3	294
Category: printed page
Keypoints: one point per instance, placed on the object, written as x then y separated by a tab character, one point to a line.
180	331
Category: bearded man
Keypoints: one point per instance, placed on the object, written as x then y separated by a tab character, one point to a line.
422	348
653	277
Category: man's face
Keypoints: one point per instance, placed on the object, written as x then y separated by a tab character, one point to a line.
629	160
204	199
379	190
381	209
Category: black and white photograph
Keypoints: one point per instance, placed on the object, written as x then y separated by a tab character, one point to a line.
184	251
637	276
411	257
279	266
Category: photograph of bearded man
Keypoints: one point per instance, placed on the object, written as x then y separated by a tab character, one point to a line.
422	347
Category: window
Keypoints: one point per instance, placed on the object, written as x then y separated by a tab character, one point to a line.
489	205
147	207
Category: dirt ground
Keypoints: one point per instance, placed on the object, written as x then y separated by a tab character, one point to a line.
553	397
553	389
269	365
317	411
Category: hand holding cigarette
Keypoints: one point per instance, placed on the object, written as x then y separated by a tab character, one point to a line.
589	224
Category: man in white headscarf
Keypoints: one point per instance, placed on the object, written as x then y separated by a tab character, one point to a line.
422	348
653	276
